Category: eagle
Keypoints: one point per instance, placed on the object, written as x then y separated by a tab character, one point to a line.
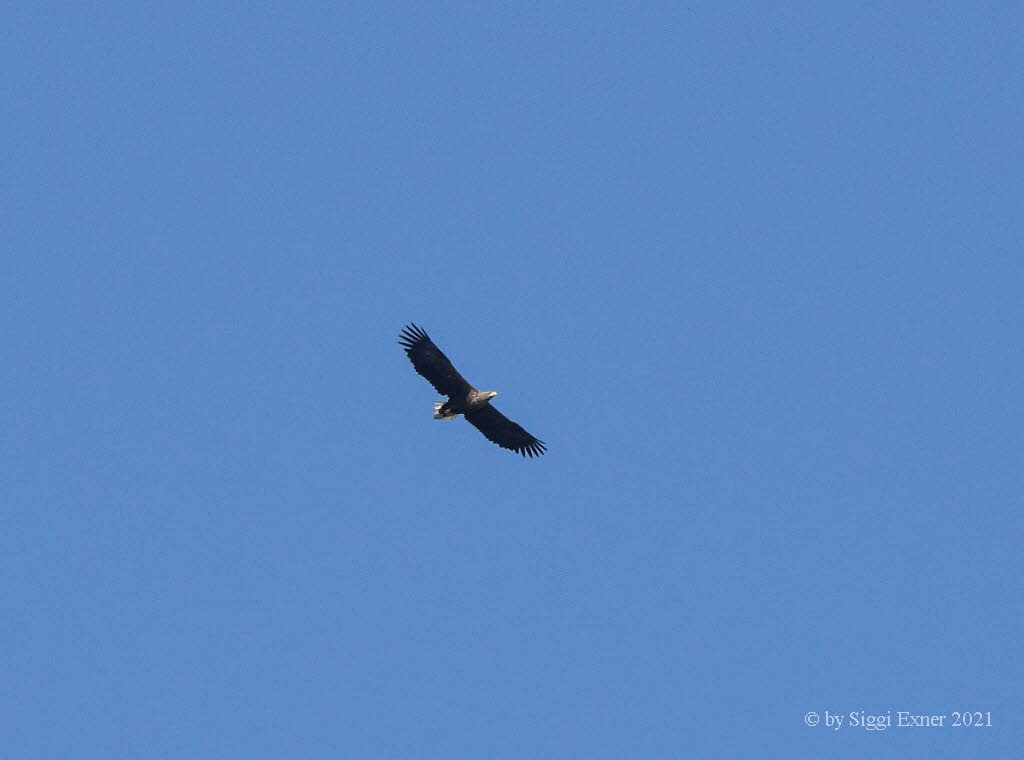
463	398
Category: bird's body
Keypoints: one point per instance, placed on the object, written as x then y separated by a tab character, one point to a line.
449	410
428	360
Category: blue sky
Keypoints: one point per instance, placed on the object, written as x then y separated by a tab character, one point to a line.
751	270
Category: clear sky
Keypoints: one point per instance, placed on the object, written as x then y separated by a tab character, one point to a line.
752	271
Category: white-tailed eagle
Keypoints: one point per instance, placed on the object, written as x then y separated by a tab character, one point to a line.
463	398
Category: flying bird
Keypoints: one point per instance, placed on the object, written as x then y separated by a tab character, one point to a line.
463	398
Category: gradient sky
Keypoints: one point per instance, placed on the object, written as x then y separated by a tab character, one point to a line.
751	270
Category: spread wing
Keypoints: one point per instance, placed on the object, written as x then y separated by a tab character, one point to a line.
499	429
428	360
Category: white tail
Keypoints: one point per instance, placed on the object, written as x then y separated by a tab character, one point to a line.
437	412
